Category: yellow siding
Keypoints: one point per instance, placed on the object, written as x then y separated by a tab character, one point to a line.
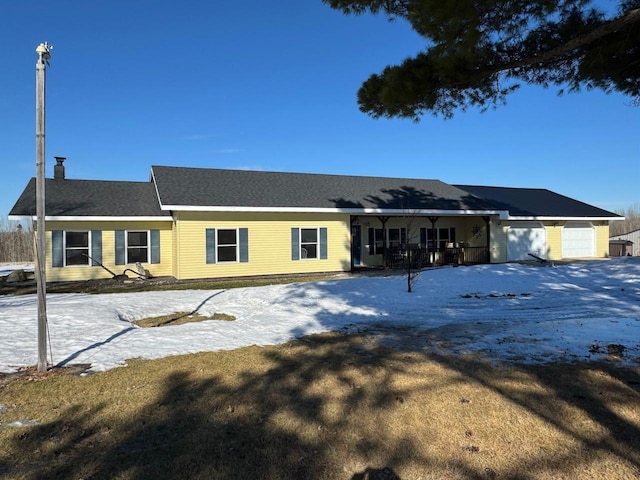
57	274
174	249
269	243
183	250
602	239
498	248
554	241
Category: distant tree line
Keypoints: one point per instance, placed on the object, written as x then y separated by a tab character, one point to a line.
16	242
631	222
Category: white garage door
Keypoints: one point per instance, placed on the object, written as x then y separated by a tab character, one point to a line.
578	240
524	238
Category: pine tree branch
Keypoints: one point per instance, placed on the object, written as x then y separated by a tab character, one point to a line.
630	18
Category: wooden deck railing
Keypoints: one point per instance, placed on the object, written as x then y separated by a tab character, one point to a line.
472	255
419	258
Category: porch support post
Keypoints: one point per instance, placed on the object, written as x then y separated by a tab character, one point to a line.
487	221
352	221
383	221
433	221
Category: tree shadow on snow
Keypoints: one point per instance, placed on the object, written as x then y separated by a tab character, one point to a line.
296	417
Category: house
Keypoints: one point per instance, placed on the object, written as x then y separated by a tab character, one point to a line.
210	223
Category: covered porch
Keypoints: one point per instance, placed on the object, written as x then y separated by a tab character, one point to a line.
419	241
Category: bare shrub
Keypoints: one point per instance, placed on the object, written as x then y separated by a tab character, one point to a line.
16	242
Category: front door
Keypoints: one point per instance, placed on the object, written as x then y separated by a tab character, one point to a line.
356	245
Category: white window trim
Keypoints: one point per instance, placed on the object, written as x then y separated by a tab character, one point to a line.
218	245
126	246
438	239
400	229
385	240
317	244
64	248
378	250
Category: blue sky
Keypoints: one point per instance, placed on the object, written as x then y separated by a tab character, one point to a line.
272	86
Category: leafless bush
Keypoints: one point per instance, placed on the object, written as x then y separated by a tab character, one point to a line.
16	242
631	222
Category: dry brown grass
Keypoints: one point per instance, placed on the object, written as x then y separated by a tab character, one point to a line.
180	318
325	407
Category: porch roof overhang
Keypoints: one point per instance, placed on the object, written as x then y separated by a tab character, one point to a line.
542	218
501	214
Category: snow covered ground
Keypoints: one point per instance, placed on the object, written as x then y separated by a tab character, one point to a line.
7	268
509	312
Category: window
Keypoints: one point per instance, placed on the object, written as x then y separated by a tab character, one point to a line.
446	235
137	247
378	242
443	236
226	245
308	243
76	248
396	238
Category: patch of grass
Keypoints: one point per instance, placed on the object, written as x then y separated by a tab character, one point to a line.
327	406
180	318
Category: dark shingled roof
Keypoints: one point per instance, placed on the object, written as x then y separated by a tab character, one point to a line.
91	198
535	202
180	187
204	187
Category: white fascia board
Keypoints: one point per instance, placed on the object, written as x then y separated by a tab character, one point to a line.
412	212
353	211
562	219
92	219
155	186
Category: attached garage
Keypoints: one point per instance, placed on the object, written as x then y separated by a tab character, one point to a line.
524	238
578	240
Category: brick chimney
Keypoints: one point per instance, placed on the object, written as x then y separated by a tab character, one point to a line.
58	169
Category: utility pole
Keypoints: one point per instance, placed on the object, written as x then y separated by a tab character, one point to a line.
41	258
